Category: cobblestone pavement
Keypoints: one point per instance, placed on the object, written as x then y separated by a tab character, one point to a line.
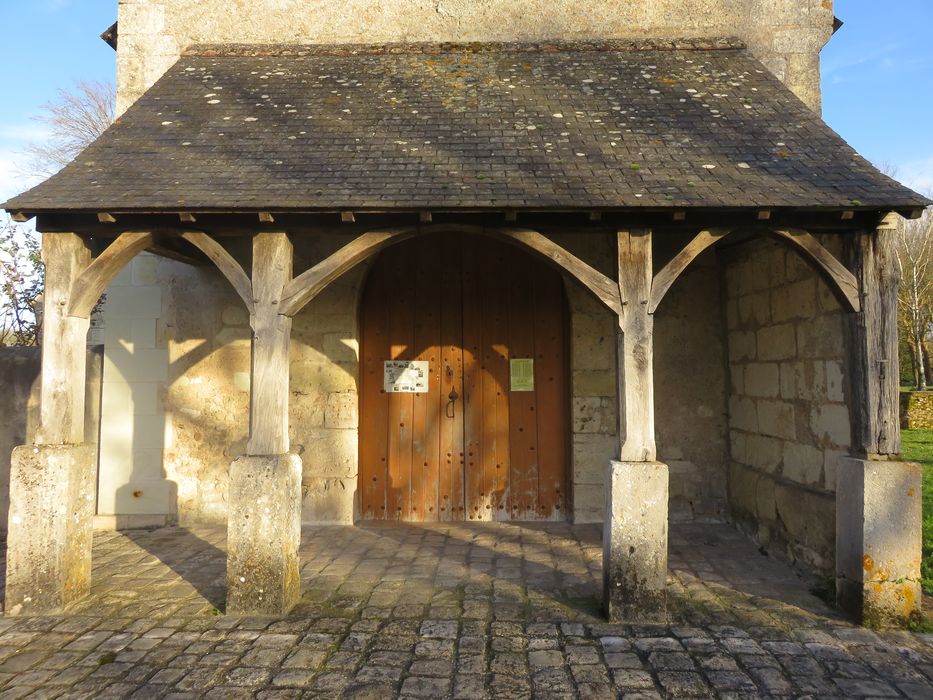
450	611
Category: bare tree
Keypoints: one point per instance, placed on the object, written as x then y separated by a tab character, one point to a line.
915	303
74	119
21	284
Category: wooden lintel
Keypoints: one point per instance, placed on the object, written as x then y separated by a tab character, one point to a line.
764	214
347	217
596	216
679	215
105	218
425	217
266	217
19	217
848	215
187	217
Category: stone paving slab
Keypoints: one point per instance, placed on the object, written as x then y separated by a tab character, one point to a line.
450	611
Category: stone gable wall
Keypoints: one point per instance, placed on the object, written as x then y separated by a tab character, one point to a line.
788	419
786	35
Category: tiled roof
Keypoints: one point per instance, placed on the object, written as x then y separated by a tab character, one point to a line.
466	127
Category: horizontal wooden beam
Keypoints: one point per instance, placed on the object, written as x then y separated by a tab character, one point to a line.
187	217
19	217
425	217
266	217
347	217
105	218
764	214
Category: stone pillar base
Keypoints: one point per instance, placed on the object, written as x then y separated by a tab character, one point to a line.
635	542
878	541
263	534
49	531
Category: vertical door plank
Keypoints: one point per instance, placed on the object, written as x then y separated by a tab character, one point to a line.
473	404
401	328
551	395
523	474
495	382
425	420
451	416
374	406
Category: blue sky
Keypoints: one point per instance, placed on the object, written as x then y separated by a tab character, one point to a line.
877	76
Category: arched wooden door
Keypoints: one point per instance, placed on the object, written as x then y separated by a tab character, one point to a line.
464	391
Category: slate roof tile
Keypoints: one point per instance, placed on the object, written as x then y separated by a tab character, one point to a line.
556	126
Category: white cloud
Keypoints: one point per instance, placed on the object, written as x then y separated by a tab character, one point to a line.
23	132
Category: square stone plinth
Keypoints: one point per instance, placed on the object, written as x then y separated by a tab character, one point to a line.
635	542
878	540
263	534
49	530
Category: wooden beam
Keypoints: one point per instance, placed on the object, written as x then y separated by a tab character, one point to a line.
301	290
764	214
636	347
511	216
225	262
843	282
847	215
668	275
679	215
94	279
266	217
269	391
596	216
64	342
603	288
187	217
19	217
347	217
914	213
425	217
105	218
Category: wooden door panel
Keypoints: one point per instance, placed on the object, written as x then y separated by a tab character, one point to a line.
466	305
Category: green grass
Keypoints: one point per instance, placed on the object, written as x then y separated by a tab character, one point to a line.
917	446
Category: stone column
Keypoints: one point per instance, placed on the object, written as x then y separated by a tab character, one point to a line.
264	521
878	497
52	482
635	525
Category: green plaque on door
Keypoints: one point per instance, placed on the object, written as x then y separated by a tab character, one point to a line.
522	374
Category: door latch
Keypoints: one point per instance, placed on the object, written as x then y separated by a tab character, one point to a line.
453	396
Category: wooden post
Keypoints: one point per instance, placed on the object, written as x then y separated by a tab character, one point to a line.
878	497
268	412
872	343
52	482
635	524
636	348
264	505
64	343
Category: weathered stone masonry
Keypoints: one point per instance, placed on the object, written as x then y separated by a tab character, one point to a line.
788	420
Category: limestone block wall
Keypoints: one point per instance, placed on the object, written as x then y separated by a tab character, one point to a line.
786	34
176	388
788	419
20	369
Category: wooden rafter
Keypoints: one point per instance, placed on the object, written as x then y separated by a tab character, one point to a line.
94	279
225	262
666	277
840	279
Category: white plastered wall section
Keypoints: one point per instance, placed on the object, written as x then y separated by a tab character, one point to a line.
786	35
134	432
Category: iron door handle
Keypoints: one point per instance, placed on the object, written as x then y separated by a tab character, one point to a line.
453	396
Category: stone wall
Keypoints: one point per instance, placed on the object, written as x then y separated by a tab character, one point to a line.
19	406
917	410
789	424
786	34
182	380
